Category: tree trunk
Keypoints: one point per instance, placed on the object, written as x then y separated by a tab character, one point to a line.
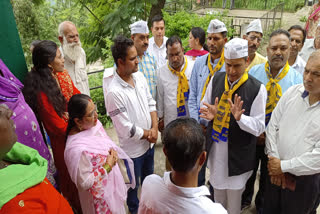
156	10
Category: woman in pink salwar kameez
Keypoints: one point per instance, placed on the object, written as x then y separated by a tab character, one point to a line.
93	161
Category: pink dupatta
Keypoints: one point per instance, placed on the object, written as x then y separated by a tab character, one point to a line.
312	16
95	140
195	53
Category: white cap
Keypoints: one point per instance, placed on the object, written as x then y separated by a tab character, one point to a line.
236	48
139	27
255	26
216	26
318	24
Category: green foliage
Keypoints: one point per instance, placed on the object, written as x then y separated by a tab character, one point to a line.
303	19
40	21
107	53
98	98
112	18
289	5
182	22
27	23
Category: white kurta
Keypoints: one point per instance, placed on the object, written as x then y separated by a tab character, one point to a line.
167	85
77	71
129	108
218	156
293	133
161	196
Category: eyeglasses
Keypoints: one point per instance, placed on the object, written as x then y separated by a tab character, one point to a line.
253	38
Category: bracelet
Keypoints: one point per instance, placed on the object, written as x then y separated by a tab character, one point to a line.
107	167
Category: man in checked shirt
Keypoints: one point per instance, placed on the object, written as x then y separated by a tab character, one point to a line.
147	62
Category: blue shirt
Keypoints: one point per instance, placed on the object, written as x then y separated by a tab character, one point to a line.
199	75
293	77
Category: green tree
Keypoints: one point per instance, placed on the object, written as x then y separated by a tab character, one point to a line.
39	20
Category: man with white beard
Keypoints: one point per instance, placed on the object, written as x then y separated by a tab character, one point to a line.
74	56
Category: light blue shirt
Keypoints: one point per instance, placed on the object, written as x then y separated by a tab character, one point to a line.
198	78
293	77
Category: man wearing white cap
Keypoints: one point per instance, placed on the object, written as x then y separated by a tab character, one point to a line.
204	69
254	36
277	75
234	104
147	62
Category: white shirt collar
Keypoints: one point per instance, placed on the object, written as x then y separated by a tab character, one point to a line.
162	45
122	82
188	192
305	96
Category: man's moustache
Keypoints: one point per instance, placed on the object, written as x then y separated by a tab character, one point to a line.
277	57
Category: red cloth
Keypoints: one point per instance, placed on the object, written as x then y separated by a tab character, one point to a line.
194	52
56	128
41	198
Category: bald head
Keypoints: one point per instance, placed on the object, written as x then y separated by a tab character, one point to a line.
63	26
68	30
314	56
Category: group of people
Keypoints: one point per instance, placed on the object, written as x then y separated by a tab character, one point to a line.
220	105
231	92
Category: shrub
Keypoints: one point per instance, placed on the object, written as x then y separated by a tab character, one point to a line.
181	23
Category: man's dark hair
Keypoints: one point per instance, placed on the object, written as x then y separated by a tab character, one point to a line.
298	27
120	48
172	40
184	142
278	32
157	18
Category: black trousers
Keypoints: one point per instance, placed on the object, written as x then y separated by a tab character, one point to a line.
301	201
248	192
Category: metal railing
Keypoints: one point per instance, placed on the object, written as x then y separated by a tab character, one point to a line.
95	72
289	5
269	21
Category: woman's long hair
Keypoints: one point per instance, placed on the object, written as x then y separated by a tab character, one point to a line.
198	32
77	106
40	79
